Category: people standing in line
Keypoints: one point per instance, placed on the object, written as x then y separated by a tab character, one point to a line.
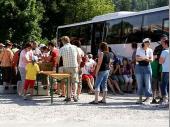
164	60
102	72
71	62
24	58
32	69
143	71
157	52
6	64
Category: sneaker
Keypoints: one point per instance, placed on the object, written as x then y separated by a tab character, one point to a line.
6	87
75	99
147	101
61	96
154	101
139	102
160	100
25	97
165	102
67	99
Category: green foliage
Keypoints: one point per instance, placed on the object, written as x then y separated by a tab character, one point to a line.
138	5
24	20
19	20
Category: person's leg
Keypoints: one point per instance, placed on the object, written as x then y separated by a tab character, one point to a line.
154	89
92	81
89	83
75	81
140	82
31	86
22	74
80	82
126	82
98	82
130	84
117	86
63	89
121	82
110	82
165	86
148	89
104	85
26	85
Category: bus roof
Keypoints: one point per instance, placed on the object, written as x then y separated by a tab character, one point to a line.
116	15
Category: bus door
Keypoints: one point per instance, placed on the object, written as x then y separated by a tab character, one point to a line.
97	37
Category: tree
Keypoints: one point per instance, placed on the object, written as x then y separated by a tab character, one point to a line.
87	9
60	12
19	20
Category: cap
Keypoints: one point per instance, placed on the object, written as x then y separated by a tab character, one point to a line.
34	58
146	40
42	45
164	35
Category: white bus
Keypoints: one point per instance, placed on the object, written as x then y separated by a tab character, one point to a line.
119	30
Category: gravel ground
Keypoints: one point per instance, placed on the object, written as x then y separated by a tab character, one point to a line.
119	111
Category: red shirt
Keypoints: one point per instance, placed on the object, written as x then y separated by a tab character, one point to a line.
54	55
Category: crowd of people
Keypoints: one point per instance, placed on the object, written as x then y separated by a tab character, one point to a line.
139	75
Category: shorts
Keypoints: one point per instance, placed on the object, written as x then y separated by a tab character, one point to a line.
29	83
73	71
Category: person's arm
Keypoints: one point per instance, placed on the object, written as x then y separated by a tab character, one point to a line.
115	69
28	57
140	58
100	59
162	58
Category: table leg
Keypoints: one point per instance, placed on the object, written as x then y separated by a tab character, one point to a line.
67	85
51	89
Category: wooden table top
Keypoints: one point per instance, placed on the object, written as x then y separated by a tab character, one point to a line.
60	75
47	72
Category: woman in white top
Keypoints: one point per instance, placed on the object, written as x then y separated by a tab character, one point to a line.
143	72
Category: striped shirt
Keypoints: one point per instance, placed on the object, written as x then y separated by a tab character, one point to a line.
69	54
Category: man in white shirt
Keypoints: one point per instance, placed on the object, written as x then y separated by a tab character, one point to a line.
71	62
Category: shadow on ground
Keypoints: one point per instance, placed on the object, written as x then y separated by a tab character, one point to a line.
119	102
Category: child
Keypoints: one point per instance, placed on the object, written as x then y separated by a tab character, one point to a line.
31	71
127	74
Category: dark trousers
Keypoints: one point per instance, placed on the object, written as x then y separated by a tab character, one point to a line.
165	84
6	74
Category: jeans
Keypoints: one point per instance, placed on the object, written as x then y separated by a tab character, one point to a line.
165	84
143	78
101	80
22	74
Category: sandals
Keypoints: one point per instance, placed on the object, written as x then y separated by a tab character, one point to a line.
93	102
